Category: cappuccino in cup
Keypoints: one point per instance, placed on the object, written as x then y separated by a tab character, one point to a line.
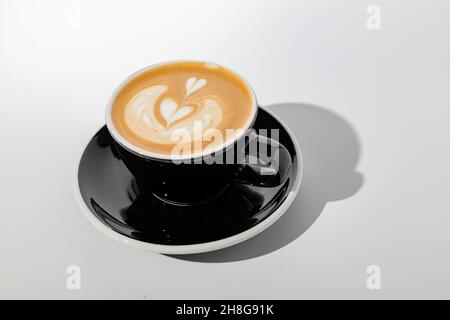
181	110
169	116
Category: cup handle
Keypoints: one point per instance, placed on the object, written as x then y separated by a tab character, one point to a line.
261	170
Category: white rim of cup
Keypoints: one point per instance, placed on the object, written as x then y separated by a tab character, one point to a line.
200	247
153	155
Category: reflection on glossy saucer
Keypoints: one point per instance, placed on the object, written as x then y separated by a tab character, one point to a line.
118	205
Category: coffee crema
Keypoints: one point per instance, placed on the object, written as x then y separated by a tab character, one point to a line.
182	105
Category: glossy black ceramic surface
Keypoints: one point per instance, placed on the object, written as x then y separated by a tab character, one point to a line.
114	195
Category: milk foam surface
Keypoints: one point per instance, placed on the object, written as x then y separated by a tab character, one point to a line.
182	105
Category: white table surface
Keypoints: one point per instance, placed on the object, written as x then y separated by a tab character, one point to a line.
370	108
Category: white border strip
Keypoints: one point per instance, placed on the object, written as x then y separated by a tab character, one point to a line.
203	247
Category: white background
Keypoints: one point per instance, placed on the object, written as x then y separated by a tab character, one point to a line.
370	108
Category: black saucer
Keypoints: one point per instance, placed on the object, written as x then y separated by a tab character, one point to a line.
110	193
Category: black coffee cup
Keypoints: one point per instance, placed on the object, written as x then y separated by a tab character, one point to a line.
194	179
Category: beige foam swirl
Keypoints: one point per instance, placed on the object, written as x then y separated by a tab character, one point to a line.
140	117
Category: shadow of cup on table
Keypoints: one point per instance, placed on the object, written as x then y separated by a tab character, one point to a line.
331	151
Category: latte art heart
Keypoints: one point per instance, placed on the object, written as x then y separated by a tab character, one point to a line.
171	112
141	118
193	85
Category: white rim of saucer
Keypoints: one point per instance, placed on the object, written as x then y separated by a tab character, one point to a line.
200	247
153	155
